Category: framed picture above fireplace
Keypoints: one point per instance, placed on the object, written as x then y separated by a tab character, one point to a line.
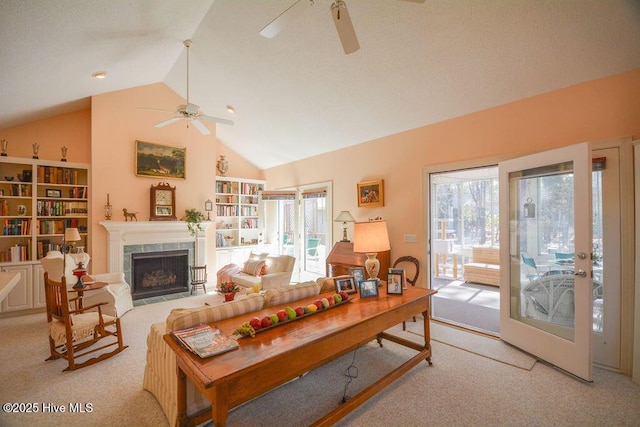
157	160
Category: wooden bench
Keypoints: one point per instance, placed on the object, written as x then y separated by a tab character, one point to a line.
484	267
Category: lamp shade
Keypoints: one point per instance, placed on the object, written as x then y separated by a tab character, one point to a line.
71	234
369	237
344	216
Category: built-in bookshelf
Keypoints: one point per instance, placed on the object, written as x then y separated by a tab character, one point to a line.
238	221
38	200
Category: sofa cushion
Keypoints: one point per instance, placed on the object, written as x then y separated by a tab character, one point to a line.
253	268
180	318
288	293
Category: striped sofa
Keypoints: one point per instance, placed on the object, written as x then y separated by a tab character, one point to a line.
160	369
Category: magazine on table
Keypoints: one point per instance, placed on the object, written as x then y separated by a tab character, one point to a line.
204	340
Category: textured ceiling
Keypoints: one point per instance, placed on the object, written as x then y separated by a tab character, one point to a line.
298	94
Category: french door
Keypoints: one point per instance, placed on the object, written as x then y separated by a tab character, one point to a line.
545	203
298	223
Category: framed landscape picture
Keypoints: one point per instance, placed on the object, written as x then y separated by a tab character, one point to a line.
371	193
157	160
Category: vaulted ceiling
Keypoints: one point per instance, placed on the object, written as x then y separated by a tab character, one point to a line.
297	95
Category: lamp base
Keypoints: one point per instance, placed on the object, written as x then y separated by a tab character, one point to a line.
372	265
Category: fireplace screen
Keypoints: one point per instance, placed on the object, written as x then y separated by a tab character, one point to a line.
159	273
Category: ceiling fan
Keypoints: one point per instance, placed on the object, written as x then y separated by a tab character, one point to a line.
341	19
190	111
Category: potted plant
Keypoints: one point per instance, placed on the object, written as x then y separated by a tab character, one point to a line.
193	218
229	289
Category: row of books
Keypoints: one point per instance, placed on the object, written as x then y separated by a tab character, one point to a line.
78	193
251	188
56	175
249	211
250	223
226	210
226	187
60	208
44	246
204	341
17	253
20	190
16	227
57	226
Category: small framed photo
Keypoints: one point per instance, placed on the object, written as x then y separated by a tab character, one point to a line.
358	274
54	193
394	284
401	272
371	193
369	288
346	284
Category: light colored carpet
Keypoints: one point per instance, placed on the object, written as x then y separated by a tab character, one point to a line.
474	343
461	388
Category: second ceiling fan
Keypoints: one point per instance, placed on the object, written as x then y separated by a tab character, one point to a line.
341	19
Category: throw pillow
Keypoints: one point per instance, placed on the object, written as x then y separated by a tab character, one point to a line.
253	268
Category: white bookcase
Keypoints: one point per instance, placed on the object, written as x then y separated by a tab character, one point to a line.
38	199
239	222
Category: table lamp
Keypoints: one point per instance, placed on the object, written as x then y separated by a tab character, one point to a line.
344	217
370	238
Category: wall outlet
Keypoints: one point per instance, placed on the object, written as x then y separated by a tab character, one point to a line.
410	238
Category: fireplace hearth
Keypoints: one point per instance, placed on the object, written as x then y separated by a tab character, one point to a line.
159	273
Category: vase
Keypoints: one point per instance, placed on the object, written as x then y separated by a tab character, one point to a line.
229	296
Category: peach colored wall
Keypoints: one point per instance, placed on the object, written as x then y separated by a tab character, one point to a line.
239	167
117	122
72	130
595	110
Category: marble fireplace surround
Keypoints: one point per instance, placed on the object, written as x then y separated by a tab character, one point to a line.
125	238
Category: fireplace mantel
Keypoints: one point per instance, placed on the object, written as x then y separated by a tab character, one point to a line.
123	233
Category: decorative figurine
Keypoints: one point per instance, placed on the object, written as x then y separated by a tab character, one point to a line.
129	216
64	154
4	143
36	147
222	165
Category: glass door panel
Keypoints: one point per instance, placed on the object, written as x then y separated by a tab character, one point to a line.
546	303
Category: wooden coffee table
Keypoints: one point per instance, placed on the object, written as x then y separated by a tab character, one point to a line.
288	351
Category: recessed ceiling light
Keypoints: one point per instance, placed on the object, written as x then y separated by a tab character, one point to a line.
231	109
99	74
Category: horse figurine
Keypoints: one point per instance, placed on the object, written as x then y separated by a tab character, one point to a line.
129	216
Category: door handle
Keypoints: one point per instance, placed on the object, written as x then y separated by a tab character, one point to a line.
580	273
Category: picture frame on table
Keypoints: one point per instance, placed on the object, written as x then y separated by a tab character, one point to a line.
371	193
401	272
369	288
358	275
394	284
346	284
54	193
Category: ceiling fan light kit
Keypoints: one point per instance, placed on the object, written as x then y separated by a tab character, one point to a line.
190	111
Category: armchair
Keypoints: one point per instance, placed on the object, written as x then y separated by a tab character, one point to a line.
117	295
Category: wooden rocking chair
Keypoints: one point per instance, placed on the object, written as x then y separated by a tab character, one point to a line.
73	331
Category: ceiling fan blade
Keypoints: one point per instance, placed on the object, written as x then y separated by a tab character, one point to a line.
282	20
167	122
344	26
157	109
202	128
216	120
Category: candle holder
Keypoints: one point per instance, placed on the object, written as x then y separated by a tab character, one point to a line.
36	147
108	210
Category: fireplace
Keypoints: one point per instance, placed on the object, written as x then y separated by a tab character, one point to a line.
159	273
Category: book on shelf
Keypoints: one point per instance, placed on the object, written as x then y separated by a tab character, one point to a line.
205	341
